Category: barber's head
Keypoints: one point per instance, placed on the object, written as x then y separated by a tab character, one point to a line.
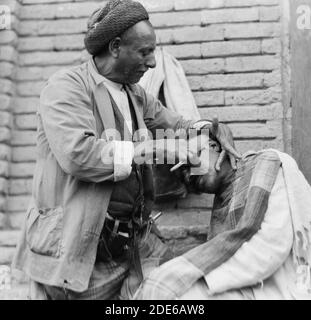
121	34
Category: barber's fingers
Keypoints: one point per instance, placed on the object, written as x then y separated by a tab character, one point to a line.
220	160
230	150
232	162
215	124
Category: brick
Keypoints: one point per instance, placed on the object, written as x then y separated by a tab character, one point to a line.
58	11
158	6
254	130
52	27
248	3
197	4
209	98
273	79
245	113
269	13
7	70
25	105
6	86
5	135
229	81
9	238
6	255
49	58
20	186
26	122
4	169
5	102
258	63
271	46
27	2
36	73
184	51
3	186
172	19
8	37
30	88
8	53
230	48
16	219
85	56
5	119
22	170
190	34
4	221
246	97
252	30
5	152
229	15
203	66
23	138
18	203
23	154
3	203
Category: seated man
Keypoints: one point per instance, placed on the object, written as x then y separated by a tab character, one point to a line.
259	237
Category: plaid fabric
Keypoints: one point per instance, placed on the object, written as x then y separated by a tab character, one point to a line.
233	223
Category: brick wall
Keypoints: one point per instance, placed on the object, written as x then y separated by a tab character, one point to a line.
231	51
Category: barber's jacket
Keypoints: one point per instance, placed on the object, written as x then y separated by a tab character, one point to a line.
72	185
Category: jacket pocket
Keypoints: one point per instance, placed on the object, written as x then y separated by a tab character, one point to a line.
44	230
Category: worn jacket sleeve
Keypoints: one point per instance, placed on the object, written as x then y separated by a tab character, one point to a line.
266	251
70	128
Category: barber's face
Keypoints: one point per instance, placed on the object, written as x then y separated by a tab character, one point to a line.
136	54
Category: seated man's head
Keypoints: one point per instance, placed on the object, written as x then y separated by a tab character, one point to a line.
122	40
212	180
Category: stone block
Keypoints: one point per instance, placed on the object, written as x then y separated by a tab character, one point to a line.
197	4
227	81
30	88
49	58
7	70
246	97
229	15
173	19
209	98
185	51
255	63
24	154
25	105
252	30
5	152
9	238
23	137
203	66
20	186
230	48
5	102
26	122
18	203
22	170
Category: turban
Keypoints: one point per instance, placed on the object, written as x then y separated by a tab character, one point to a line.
110	21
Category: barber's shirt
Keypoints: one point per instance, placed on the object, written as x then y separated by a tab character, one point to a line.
118	93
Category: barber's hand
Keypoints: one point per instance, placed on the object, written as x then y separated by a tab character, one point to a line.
224	136
173	150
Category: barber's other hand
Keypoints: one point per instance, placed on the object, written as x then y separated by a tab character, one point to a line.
224	136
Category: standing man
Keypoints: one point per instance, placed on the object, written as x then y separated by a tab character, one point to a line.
88	232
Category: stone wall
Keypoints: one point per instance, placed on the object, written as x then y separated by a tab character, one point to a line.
231	51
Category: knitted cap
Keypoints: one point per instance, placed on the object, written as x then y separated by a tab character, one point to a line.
109	22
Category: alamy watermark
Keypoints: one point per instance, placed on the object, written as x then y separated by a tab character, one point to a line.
304	17
5	17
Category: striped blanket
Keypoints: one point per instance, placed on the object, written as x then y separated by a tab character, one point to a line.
233	222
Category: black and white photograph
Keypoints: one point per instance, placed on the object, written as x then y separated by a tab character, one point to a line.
155	150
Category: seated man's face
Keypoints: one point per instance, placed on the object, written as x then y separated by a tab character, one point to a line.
213	178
